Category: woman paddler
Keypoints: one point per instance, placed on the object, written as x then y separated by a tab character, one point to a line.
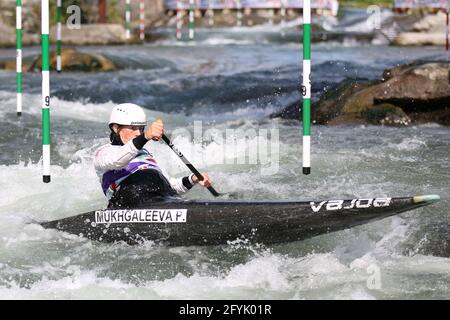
127	170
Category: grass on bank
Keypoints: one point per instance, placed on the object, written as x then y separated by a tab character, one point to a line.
366	3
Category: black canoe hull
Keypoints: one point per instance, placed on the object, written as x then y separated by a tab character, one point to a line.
212	223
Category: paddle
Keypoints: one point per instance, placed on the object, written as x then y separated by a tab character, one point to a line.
188	164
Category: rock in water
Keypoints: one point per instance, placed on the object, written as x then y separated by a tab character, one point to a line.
429	30
387	114
72	60
416	84
411	93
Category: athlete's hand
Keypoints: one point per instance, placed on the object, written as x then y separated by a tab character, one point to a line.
206	182
155	131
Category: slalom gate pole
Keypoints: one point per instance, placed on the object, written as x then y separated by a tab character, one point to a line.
19	56
179	21
271	15
127	19
45	89
447	25
142	20
191	19
58	35
239	13
306	87
283	13
210	13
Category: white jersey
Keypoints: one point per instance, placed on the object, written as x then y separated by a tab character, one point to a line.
114	163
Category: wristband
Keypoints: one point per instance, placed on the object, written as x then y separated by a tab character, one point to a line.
190	179
140	141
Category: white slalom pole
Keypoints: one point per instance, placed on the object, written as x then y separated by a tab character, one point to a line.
447	25
127	19
210	13
239	12
142	20
45	21
191	19
283	13
179	21
19	57
271	15
306	87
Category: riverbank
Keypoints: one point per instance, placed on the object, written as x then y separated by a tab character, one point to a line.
395	29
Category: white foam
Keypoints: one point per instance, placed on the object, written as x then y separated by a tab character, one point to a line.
409	144
63	196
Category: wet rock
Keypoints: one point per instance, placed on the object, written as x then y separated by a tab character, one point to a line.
412	93
428	30
10	65
387	114
72	60
329	106
419	39
419	87
346	104
292	111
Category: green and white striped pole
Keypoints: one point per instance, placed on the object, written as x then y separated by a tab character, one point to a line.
127	19
306	87
45	89
19	56
239	12
58	36
191	19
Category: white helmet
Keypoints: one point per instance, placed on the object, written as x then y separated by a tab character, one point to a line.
128	114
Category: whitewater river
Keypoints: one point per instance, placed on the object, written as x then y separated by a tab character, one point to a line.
219	83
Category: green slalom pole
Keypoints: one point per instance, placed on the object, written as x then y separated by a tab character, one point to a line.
19	56
58	35
306	87
127	19
45	89
191	19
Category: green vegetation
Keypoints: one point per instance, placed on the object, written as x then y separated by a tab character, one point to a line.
113	14
365	3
